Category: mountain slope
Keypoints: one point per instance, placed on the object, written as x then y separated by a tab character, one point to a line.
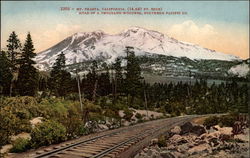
99	45
241	70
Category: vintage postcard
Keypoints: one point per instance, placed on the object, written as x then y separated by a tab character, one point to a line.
125	79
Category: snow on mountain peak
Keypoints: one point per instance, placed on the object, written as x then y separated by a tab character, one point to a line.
98	45
138	31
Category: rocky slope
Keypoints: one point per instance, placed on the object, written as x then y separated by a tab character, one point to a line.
194	141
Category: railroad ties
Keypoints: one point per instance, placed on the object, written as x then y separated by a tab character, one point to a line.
111	144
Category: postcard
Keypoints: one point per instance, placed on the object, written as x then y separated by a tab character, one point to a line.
142	79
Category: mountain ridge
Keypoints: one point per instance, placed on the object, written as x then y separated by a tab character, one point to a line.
83	46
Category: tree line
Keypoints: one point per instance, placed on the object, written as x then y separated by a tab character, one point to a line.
115	84
18	76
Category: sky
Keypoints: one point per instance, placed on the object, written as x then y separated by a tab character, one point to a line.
219	25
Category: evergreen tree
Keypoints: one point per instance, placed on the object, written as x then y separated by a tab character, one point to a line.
14	49
5	74
133	74
13	53
43	81
118	76
104	87
60	80
91	81
28	75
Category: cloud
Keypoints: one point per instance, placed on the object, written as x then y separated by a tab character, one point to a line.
190	30
55	35
223	39
50	37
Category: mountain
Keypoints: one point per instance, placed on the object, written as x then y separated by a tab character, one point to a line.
241	70
85	46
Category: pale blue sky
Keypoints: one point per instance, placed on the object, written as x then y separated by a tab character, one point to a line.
221	11
41	18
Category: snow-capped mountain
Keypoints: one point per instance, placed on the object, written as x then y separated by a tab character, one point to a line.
241	70
99	45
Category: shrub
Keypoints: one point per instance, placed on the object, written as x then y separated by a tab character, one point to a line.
23	107
211	121
112	113
73	123
7	126
13	121
74	127
227	120
72	96
22	126
128	114
138	116
161	141
20	145
48	132
54	108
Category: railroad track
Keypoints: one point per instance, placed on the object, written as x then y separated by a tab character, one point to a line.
113	143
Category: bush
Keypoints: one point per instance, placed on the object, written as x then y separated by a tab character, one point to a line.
227	120
20	145
7	126
138	116
162	141
128	114
73	123
48	132
74	127
55	108
23	107
112	113
211	121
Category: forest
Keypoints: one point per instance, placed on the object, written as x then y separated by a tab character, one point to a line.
68	101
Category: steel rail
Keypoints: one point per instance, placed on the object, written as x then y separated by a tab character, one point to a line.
120	144
48	153
105	152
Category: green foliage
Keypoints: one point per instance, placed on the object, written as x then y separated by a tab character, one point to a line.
138	116
20	145
227	120
47	133
7	126
55	108
128	114
14	47
162	141
91	111
23	107
133	74
119	81
60	80
27	82
73	120
74	127
15	113
223	121
5	74
111	113
211	121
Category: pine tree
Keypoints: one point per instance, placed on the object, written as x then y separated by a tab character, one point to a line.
28	76
60	80
5	74
14	49
13	53
92	81
104	87
118	76
133	74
